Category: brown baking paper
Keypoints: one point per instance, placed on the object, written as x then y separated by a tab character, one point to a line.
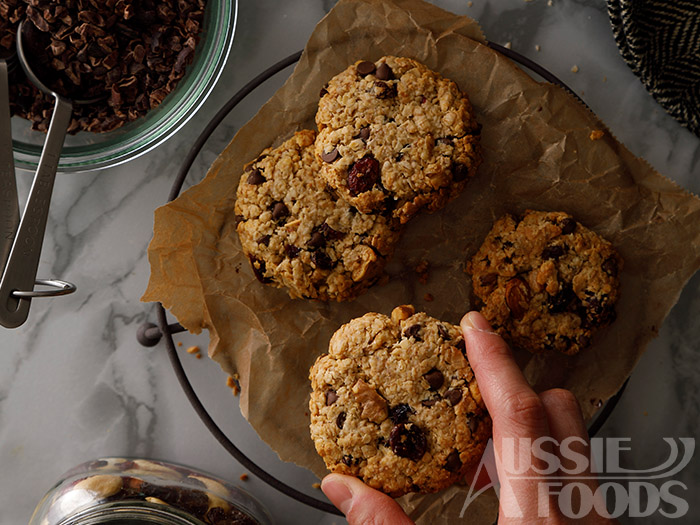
538	154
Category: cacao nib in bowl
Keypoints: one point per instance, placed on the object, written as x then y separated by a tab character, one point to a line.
86	151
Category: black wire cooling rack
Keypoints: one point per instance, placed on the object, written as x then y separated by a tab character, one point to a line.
150	334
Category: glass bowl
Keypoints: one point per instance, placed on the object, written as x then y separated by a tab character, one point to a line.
87	151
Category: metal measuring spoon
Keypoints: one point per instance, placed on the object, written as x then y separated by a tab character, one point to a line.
17	284
9	205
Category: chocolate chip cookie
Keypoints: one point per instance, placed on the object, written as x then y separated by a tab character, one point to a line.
396	137
546	281
299	235
395	403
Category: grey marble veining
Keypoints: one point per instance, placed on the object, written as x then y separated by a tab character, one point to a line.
74	384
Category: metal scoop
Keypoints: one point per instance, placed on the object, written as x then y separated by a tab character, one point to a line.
9	205
19	278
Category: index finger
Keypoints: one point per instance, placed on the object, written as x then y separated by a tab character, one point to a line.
515	408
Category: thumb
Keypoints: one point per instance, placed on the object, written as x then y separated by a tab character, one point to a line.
362	504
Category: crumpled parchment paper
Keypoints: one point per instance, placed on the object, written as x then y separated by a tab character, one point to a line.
538	154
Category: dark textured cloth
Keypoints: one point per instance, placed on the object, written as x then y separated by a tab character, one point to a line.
660	41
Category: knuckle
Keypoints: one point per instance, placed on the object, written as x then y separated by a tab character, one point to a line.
563	399
525	409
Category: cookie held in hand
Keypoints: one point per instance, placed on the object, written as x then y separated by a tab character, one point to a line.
547	282
395	403
395	137
297	234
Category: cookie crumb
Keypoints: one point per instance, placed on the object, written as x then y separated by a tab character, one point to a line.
179	343
428	298
596	134
244	477
538	48
508	45
317	486
470	3
193	350
422	271
550	3
574	69
605	79
232	383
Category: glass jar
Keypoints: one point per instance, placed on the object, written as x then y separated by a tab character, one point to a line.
120	491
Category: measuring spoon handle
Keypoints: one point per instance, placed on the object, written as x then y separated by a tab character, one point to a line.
21	269
9	205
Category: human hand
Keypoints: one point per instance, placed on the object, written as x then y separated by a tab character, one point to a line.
517	412
361	504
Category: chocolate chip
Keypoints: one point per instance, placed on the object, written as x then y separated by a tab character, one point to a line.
472	423
363	175
382	90
317	240
255	178
488	279
291	251
365	68
562	300
331	397
443	332
384	72
330	156
454	396
279	210
259	269
413	331
347	459
264	239
399	413
609	266
553	251
459	172
599	311
435	379
408	442
364	133
321	260
459	345
567	226
330	233
323	92
340	420
429	402
453	463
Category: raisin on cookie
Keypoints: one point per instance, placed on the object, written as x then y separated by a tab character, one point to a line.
546	281
396	137
395	403
297	234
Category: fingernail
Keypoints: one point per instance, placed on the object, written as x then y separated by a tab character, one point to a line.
338	492
475	321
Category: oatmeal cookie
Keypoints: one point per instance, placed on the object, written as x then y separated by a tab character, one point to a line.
396	136
395	403
546	281
299	235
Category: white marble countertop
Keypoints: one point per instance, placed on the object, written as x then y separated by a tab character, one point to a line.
75	384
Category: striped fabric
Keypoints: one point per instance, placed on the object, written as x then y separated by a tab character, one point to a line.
660	41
